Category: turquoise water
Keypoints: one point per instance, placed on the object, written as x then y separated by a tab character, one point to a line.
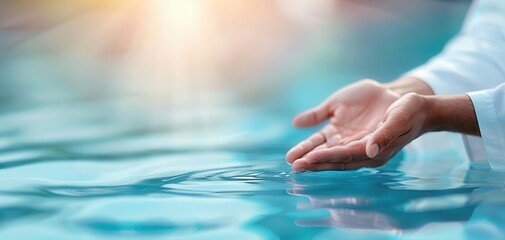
77	171
88	151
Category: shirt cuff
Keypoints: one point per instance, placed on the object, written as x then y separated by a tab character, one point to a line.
489	126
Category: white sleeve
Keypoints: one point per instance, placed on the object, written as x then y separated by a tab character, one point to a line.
473	60
490	110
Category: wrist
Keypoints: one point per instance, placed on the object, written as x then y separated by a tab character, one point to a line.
409	84
451	113
434	121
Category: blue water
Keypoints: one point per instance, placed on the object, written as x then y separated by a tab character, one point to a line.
77	171
80	159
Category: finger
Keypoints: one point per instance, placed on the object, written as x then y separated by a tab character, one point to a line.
305	146
322	146
394	126
338	117
303	165
331	134
334	140
313	116
395	146
352	152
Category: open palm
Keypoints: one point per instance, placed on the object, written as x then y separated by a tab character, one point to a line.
354	112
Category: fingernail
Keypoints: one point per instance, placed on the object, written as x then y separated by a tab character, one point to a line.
374	149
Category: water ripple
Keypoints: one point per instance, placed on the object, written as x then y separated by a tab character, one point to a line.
123	180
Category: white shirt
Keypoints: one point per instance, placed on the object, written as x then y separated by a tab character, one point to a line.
474	63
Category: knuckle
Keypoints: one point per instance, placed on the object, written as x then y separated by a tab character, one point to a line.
411	95
304	144
348	158
402	118
413	98
354	155
387	137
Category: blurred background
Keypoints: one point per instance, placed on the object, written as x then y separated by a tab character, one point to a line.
123	118
202	67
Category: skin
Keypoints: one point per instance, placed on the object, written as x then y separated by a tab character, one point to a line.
370	122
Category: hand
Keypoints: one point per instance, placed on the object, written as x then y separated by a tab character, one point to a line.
406	119
413	115
354	112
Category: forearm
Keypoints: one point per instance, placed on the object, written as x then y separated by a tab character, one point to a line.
406	85
454	113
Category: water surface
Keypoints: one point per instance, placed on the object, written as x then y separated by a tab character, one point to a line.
136	121
74	171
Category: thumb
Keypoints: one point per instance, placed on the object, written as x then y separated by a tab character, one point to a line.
381	138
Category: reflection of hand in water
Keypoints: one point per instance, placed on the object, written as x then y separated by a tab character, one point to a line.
354	112
368	202
341	216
